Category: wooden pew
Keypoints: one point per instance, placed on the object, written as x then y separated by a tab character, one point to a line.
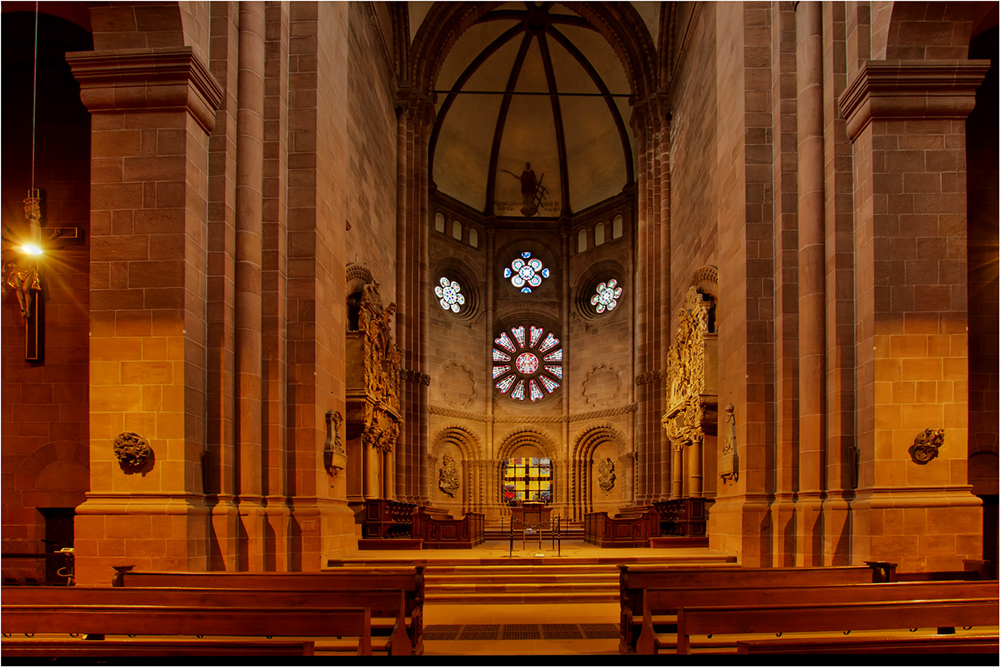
197	621
835	617
408	579
399	641
660	600
633	579
82	649
875	645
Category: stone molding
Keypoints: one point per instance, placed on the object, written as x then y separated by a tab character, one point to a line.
531	419
147	80
416	377
901	90
650	377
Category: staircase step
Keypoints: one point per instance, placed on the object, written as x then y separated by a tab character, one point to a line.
559	597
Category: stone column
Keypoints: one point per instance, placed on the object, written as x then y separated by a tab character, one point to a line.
677	471
812	276
906	120
249	225
151	116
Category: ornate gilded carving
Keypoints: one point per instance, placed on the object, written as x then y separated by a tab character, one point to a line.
132	450
606	474
686	358
925	446
382	365
729	463
448	475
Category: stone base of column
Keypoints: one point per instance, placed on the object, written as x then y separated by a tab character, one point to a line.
251	523
837	531
224	537
149	532
741	525
276	535
809	530
783	531
320	529
921	529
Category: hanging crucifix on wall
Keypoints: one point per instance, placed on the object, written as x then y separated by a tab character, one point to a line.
21	271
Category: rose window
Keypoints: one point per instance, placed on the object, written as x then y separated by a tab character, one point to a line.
449	294
607	296
527	366
526	272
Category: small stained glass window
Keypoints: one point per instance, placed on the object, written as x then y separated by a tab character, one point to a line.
449	293
606	298
526	272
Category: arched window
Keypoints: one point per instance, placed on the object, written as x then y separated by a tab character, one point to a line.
581	242
473	237
616	227
439	222
527	478
456	230
599	234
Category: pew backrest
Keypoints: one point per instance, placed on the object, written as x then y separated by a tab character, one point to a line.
197	621
387	603
833	617
874	645
132	649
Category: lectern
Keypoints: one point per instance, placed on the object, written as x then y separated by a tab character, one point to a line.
530	516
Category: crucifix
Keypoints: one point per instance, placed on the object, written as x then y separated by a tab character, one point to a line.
20	271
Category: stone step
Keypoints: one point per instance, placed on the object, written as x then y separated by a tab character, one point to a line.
559	579
548	597
521	587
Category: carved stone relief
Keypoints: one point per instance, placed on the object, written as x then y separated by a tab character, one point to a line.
925	446
606	475
381	371
729	463
458	387
448	475
601	386
132	451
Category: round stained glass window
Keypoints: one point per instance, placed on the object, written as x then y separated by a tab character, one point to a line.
527	363
526	272
606	297
449	293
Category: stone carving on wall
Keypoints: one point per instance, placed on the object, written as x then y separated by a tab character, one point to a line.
606	475
729	463
691	404
334	456
382	363
458	387
132	450
601	386
448	475
925	446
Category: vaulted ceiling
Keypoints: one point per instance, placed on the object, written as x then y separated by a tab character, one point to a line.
531	83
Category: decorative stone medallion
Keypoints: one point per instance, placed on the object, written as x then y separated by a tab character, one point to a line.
925	446
132	450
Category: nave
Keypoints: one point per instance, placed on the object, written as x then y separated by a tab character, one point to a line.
502	599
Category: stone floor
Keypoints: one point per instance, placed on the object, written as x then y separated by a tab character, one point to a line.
527	629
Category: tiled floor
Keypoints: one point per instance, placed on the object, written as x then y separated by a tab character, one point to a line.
506	616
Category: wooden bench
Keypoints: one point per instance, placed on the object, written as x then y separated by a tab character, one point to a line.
633	579
408	579
398	644
835	617
82	649
661	600
195	621
874	645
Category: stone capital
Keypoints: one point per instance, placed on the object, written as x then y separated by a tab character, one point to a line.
158	79
911	90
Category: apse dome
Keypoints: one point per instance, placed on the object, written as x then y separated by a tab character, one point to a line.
532	107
